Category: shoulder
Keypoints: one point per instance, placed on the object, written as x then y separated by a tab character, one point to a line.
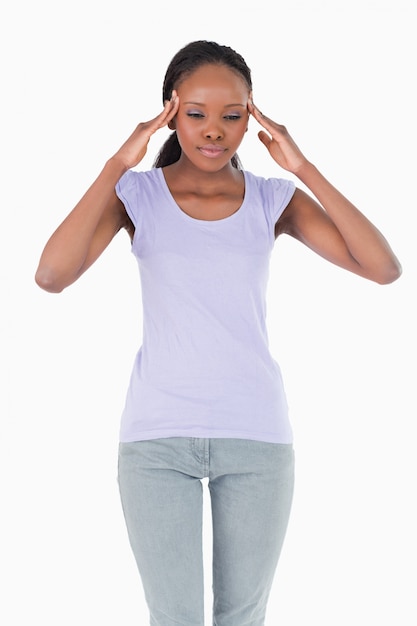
136	190
132	179
274	194
134	187
269	188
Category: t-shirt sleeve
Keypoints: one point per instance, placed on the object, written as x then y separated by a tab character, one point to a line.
127	191
275	195
280	193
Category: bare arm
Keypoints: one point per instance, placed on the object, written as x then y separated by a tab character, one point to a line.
331	226
98	216
85	233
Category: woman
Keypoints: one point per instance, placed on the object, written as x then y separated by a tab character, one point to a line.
206	397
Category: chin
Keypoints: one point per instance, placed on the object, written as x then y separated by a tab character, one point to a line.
211	164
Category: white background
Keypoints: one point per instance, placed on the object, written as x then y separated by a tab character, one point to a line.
76	78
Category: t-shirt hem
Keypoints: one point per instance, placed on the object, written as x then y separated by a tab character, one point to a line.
207	434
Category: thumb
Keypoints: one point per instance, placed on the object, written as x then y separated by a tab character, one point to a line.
266	140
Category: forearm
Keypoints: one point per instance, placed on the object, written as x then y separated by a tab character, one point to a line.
365	242
68	248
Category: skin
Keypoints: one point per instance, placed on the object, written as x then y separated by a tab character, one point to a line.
210	111
203	182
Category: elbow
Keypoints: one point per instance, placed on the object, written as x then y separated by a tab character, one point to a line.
48	281
390	274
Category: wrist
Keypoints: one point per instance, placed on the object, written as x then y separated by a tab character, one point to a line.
303	168
117	165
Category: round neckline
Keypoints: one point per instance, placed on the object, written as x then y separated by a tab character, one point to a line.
196	220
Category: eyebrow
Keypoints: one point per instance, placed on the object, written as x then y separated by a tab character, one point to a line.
226	106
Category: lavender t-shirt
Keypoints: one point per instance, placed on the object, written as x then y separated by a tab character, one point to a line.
204	368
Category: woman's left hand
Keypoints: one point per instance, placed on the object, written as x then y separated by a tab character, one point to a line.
280	144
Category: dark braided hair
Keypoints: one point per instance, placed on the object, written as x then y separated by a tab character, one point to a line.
185	62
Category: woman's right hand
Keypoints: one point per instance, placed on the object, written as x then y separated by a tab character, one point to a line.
134	148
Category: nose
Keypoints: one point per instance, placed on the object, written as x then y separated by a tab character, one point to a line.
213	131
213	135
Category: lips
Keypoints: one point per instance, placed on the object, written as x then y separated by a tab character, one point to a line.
211	151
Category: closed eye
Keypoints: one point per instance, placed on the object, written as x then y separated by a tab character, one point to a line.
232	117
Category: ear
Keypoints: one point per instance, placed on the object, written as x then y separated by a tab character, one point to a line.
171	125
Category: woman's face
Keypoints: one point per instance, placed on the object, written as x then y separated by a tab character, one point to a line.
212	117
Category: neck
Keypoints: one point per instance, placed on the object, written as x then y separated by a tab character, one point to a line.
186	175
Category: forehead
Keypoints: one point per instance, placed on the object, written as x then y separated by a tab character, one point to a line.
214	80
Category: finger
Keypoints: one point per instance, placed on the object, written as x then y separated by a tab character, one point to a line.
265	138
255	111
264	121
169	111
174	102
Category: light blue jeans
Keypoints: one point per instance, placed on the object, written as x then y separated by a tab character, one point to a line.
251	488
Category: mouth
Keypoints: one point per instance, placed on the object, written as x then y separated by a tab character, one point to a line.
211	151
